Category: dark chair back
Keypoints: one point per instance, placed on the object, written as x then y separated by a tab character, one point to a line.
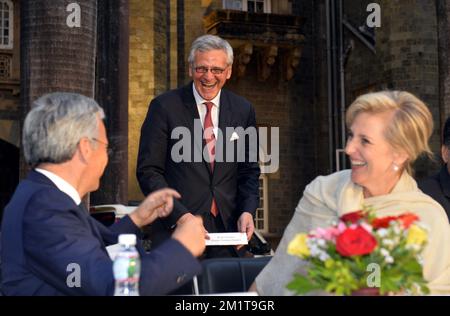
227	275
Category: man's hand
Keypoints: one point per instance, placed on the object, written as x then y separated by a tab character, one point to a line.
157	204
191	234
184	218
245	225
188	216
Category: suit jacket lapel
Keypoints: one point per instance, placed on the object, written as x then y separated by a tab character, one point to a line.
189	101
225	120
195	129
225	114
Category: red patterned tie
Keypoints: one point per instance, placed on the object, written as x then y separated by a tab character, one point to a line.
210	140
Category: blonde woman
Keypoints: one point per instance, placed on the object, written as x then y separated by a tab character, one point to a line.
387	131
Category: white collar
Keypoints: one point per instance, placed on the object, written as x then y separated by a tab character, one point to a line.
62	185
199	100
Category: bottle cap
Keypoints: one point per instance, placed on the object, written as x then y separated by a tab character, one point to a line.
127	239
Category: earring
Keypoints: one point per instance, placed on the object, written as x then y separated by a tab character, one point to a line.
395	167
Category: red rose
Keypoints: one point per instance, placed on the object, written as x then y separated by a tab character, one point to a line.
407	219
353	242
352	217
383	222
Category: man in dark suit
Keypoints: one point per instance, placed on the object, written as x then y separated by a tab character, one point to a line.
217	172
438	186
46	232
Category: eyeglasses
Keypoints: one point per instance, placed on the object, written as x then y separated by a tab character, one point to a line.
108	150
214	70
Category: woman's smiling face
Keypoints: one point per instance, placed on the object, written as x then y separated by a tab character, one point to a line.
372	157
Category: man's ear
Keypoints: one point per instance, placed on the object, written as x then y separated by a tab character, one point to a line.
444	153
229	71
85	149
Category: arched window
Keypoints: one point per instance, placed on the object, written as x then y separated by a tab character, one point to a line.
6	24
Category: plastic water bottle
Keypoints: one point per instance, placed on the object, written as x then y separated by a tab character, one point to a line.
127	267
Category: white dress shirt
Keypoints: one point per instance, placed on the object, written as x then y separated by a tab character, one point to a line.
201	107
62	185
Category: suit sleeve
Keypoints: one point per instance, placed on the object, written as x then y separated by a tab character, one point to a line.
57	239
432	187
172	264
248	174
153	152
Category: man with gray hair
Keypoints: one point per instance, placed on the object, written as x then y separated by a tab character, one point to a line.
46	230
225	192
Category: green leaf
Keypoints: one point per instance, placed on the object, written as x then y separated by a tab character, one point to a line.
302	285
412	266
389	285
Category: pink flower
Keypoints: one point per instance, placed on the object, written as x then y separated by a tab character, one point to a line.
341	227
367	227
329	233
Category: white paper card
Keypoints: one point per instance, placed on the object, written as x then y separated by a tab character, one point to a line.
113	250
226	239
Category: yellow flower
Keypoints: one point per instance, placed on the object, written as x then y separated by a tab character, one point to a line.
416	235
298	246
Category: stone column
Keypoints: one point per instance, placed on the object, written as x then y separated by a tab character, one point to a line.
112	94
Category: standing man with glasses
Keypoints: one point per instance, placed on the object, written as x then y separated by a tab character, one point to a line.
224	191
50	245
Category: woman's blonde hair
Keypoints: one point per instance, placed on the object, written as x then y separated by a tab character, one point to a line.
411	124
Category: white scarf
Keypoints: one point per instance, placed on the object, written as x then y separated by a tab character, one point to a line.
328	197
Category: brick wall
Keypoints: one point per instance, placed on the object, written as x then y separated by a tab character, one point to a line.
301	114
141	81
443	13
413	57
445	51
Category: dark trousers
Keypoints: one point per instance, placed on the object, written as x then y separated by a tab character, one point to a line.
213	225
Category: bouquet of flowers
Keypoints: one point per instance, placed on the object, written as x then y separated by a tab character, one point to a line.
361	251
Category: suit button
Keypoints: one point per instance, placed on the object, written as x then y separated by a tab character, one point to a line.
181	278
